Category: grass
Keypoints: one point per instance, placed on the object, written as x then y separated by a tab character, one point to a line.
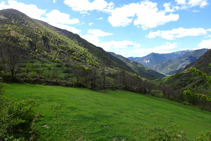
119	115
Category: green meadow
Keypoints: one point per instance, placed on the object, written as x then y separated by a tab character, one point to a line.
109	115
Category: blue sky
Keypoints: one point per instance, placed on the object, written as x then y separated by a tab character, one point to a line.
127	27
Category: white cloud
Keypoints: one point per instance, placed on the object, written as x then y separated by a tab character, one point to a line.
200	3
54	1
159	49
208	36
57	17
90	24
169	8
178	33
118	44
98	33
86	5
191	3
30	10
66	27
99	18
181	1
148	15
205	44
61	20
209	30
195	11
93	37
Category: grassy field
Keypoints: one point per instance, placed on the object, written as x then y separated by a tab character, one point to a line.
113	115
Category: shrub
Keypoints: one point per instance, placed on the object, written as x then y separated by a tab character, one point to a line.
6	77
31	61
170	133
17	119
32	75
58	65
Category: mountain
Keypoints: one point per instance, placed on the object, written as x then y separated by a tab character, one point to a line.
202	63
187	79
133	58
175	65
39	41
156	58
139	68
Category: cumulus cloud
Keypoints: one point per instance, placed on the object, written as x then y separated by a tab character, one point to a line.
178	33
116	45
200	3
99	18
61	20
85	5
90	24
208	36
170	8
98	33
56	16
158	49
66	27
205	44
30	10
191	3
181	1
93	36
147	13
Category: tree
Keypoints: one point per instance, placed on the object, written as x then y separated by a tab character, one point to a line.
208	78
103	76
11	56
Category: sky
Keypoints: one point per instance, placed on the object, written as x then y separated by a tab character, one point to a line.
131	28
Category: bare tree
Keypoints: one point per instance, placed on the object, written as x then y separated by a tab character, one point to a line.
103	76
12	57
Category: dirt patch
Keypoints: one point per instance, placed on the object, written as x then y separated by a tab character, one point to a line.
2	17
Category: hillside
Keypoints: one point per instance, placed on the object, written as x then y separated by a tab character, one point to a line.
98	52
139	68
186	79
175	65
156	58
40	42
113	115
202	63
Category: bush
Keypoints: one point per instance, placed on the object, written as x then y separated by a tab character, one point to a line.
31	61
58	65
17	119
6	76
32	75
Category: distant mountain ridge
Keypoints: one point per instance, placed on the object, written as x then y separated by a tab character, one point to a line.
177	64
139	68
156	58
186	79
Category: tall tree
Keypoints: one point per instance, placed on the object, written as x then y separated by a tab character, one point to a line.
12	57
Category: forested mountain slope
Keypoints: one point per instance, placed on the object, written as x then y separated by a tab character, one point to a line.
139	68
186	79
36	40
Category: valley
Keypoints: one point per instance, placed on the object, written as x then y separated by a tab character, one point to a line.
56	85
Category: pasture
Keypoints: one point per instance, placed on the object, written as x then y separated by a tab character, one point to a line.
109	115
